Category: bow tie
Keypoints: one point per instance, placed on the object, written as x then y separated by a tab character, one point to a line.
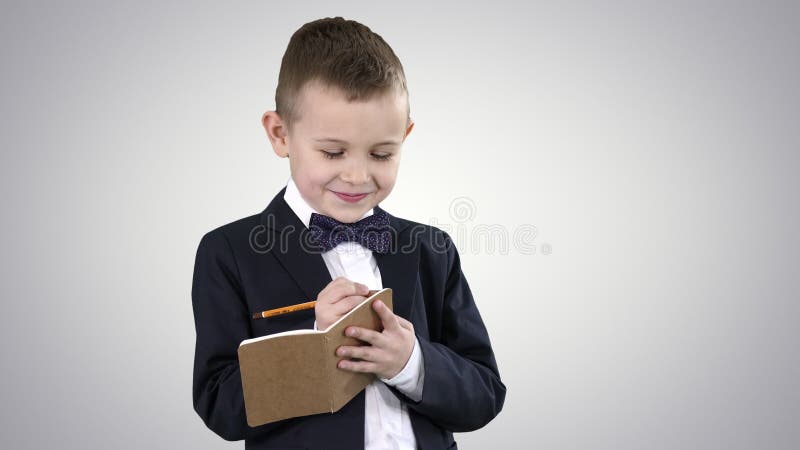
373	232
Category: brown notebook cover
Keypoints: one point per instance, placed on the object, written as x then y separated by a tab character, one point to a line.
294	373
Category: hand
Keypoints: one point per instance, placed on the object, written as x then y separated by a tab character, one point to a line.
388	351
337	299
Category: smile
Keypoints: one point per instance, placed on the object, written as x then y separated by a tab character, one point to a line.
351	198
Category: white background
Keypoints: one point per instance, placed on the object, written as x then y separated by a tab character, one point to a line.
653	147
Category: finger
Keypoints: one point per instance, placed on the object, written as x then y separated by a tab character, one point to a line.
386	315
362	289
339	291
358	366
364	352
324	295
348	289
352	287
332	285
344	305
371	337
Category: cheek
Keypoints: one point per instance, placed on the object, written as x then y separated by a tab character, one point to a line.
313	175
309	186
386	177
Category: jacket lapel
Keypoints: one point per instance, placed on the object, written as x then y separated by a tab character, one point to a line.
291	246
399	266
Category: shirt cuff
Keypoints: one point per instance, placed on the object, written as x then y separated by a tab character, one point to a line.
409	381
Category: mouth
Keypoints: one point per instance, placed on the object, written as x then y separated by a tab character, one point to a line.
350	198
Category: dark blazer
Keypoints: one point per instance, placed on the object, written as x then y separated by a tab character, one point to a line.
259	263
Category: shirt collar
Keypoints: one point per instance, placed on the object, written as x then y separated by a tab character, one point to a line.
299	205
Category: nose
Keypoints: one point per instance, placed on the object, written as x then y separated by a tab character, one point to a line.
356	172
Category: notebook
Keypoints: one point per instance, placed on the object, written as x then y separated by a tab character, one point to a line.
295	373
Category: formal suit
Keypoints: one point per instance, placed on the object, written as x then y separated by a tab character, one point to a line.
264	261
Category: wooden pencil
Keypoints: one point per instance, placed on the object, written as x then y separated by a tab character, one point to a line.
293	308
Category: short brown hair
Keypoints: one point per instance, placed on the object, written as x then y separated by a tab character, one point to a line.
338	53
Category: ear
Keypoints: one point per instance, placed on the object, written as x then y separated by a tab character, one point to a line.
276	132
410	127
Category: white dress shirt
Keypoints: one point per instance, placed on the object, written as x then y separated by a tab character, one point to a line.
387	423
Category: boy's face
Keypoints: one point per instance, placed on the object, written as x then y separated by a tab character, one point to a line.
343	156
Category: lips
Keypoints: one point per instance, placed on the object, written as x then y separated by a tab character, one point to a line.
351	198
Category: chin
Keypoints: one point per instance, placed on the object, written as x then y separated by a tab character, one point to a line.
348	213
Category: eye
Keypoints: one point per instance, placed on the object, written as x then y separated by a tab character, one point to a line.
382	156
332	154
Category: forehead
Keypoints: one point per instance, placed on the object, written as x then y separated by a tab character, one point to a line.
324	112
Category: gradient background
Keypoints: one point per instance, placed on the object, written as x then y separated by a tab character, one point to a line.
653	147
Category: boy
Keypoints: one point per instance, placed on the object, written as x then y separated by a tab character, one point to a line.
342	114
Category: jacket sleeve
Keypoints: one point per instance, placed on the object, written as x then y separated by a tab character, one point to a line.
221	323
462	389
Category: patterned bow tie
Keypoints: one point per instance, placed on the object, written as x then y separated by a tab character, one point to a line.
373	232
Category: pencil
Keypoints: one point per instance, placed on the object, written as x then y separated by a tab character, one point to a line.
293	308
284	310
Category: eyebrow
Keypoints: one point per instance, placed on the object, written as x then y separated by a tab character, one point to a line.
339	141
